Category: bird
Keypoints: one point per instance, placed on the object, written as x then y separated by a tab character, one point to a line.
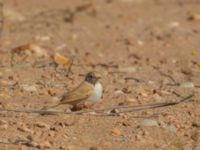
88	90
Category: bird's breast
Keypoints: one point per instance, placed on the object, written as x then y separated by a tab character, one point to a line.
97	93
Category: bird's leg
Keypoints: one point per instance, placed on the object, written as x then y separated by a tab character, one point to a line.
76	108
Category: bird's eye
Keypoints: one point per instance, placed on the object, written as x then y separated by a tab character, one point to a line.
91	76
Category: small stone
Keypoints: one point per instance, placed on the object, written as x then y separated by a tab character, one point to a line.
186	71
196	124
39	51
187	85
33	144
118	93
195	136
127	69
116	132
151	82
29	88
171	128
143	93
149	123
42	38
69	148
130	100
94	148
25	129
194	17
42	125
46	144
106	144
114	111
61	60
141	135
174	24
157	97
31	48
74	36
52	92
4	126
164	92
2	122
139	42
61	47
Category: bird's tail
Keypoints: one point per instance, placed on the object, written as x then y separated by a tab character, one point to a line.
52	103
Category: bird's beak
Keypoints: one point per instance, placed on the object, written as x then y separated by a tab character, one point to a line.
98	77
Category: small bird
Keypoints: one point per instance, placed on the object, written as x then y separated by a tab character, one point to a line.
89	90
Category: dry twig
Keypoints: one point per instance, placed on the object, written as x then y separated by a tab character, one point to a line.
69	70
135	79
175	83
1	17
107	111
23	141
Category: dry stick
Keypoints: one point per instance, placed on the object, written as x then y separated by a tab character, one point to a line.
70	67
98	64
122	109
166	75
175	83
1	17
26	142
134	78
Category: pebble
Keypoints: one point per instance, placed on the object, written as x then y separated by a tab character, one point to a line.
43	38
186	70
171	128
31	49
195	136
46	144
143	93
52	92
194	17
174	24
118	93
116	132
94	148
38	51
61	60
149	123
130	100
42	125
127	69
157	97
29	88
25	129
139	42
3	124
196	124
69	148
141	135
187	85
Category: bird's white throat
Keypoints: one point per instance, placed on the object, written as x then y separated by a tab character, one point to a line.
97	93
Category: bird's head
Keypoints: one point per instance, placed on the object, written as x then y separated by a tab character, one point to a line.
92	77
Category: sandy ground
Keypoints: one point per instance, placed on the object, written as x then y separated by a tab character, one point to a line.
120	39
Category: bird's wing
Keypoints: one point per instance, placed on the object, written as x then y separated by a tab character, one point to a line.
77	95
